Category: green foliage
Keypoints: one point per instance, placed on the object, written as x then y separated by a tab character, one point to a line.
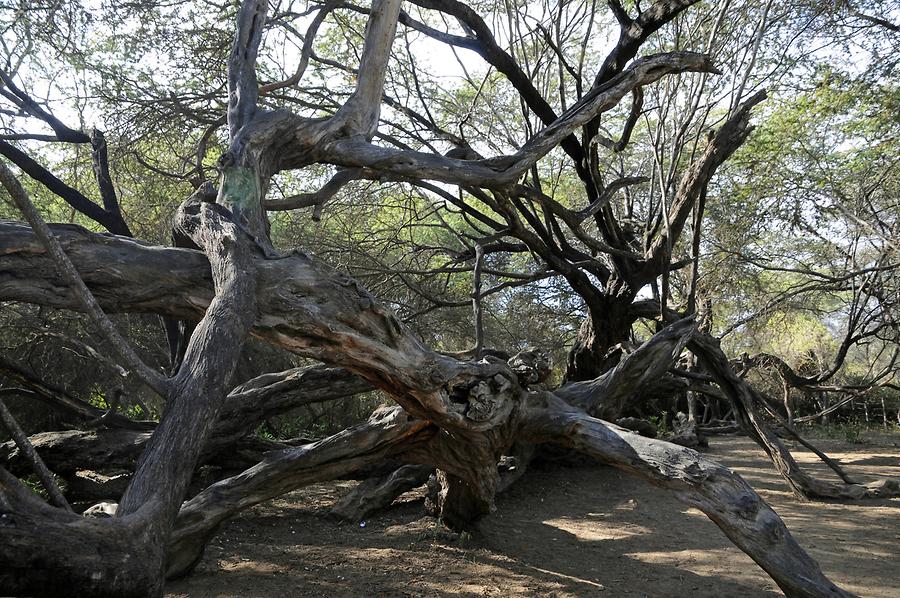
34	484
785	211
659	422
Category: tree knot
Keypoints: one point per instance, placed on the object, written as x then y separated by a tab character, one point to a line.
532	366
479	400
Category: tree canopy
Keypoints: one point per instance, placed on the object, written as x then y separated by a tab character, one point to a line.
518	222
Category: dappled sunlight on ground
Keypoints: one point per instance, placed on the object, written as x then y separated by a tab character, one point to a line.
561	531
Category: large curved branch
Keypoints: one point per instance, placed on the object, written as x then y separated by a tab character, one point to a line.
505	170
305	307
721	494
388	432
34	537
606	396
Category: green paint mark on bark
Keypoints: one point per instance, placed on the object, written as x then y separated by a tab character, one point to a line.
240	188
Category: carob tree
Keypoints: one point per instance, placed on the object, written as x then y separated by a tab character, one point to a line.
459	416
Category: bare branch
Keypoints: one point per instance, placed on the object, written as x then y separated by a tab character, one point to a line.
316	198
359	115
21	440
502	171
62	262
243	90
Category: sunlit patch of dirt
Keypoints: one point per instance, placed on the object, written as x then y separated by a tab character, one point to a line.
561	531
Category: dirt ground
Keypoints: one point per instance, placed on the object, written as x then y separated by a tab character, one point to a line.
561	531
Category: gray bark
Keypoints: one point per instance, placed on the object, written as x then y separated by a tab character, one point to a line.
480	402
387	433
460	417
721	494
375	494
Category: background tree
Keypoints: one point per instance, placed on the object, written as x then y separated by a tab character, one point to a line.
505	192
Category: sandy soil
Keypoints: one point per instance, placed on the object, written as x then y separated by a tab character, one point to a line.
562	531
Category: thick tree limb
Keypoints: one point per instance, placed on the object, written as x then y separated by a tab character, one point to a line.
505	170
244	409
608	394
61	261
722	495
359	115
389	357
302	302
388	431
147	510
243	90
61	401
375	494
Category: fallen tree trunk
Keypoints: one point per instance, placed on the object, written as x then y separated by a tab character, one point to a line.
244	409
722	495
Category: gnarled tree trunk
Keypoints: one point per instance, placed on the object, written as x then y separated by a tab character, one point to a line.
460	417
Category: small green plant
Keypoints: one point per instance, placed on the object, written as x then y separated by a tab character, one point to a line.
853	434
34	484
659	422
263	432
97	398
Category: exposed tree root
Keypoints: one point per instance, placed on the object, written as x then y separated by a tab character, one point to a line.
375	494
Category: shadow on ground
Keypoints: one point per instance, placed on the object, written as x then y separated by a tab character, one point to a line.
562	531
